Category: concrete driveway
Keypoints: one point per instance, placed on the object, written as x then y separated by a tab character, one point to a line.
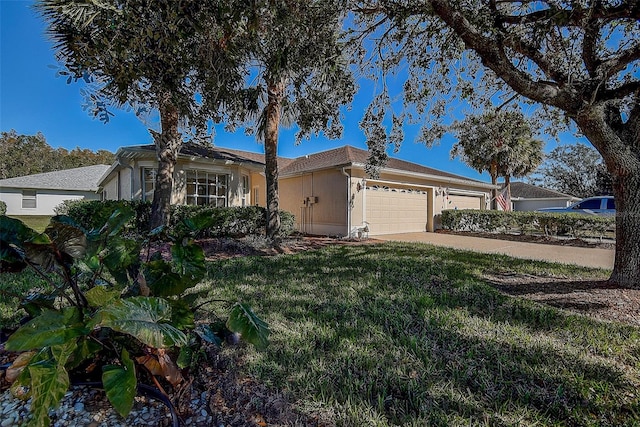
586	257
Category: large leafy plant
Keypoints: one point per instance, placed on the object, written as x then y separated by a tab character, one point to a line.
115	304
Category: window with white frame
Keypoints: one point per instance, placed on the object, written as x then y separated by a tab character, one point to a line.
244	191
206	188
28	199
148	183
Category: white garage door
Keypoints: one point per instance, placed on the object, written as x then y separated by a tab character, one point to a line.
464	202
396	210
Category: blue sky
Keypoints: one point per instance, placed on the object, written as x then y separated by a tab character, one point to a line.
33	99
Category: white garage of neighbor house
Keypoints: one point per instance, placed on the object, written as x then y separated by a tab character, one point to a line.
328	192
527	197
39	194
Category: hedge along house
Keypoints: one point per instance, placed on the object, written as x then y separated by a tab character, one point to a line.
39	194
329	192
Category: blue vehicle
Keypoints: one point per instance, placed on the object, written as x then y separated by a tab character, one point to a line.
601	205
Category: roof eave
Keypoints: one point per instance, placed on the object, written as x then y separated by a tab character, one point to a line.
438	178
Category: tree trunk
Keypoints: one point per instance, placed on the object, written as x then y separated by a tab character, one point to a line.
493	171
620	149
273	112
167	147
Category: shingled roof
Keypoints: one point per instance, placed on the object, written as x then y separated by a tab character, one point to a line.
216	153
349	156
522	190
80	179
337	157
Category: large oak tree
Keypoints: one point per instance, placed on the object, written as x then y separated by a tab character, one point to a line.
578	60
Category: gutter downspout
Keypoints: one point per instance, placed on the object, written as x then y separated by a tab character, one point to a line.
348	202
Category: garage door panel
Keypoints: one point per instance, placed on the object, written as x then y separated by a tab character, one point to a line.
396	211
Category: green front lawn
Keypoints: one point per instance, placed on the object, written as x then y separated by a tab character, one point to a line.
407	334
37	222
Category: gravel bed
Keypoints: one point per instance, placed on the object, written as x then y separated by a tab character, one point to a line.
88	407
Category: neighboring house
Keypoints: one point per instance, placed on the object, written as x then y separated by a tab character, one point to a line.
527	197
39	194
328	192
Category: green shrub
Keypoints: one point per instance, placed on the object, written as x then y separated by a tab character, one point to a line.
287	223
91	214
3	208
216	222
549	224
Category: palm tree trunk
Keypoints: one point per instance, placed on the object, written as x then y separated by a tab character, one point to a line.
273	115
493	171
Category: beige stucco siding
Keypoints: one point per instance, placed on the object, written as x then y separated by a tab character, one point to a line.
125	183
457	201
318	201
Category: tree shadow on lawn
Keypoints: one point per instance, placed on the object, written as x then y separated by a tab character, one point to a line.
413	335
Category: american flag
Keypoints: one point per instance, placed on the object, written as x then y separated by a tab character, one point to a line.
504	199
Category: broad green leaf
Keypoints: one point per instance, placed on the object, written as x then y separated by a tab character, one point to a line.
65	219
49	383
120	384
67	239
252	329
189	260
35	303
186	356
211	333
121	254
58	246
98	296
181	315
42	255
15	232
117	220
199	222
62	352
145	318
163	281
11	260
84	349
48	329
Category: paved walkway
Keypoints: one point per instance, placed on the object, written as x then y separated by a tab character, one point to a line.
586	257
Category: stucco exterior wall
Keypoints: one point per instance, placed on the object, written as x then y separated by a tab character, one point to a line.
127	183
258	193
46	200
318	200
